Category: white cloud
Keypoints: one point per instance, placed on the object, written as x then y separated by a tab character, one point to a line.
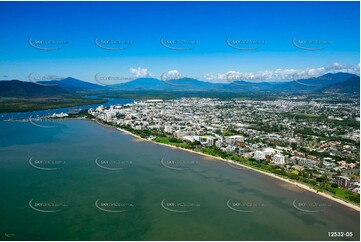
170	75
281	74
259	76
140	72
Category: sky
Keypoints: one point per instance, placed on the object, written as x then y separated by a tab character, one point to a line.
119	41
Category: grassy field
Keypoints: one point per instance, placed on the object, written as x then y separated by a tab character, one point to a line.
171	141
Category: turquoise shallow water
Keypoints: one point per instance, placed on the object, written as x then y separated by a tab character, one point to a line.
82	181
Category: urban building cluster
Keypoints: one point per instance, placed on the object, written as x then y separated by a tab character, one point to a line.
316	138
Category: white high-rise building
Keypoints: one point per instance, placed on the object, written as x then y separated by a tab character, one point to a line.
269	151
232	139
168	129
259	155
279	159
344	181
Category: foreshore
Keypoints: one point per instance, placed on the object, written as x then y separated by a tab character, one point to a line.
302	186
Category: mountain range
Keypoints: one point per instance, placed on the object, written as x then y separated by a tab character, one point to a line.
16	88
351	85
73	85
335	82
189	84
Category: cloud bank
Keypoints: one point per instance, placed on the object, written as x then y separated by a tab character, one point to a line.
281	74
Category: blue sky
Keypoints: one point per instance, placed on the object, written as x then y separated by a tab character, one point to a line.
268	29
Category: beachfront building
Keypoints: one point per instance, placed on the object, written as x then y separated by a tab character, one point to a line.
233	139
344	181
306	162
259	155
207	140
168	129
279	159
269	151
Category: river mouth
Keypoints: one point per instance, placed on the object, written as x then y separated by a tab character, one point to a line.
99	184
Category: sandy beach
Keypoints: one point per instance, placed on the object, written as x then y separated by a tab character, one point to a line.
296	184
303	186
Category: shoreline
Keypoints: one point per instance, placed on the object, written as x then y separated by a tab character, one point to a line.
299	185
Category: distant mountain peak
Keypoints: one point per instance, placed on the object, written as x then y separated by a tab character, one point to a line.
72	84
352	85
16	88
